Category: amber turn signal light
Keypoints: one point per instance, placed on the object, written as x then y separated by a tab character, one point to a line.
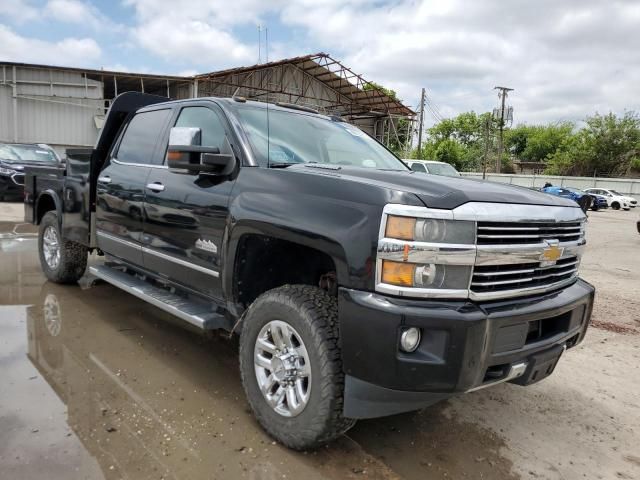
398	273
402	228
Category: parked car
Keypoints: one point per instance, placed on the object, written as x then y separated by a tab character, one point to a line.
581	198
614	199
358	288
599	202
432	167
14	157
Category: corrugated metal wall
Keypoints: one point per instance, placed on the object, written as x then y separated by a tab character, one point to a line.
51	106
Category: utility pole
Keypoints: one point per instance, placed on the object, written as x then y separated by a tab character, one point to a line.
486	147
421	125
502	94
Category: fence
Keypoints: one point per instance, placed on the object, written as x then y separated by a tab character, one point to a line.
626	186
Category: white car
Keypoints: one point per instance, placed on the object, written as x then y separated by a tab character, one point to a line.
432	167
614	199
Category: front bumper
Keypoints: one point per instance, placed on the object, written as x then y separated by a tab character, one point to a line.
12	184
464	346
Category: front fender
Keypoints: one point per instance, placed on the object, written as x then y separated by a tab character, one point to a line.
306	221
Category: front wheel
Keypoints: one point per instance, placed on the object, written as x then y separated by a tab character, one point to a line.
594	208
291	366
62	261
615	206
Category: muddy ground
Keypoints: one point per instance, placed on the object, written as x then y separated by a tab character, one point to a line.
97	384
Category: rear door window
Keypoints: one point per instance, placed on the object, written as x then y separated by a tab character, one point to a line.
418	167
141	138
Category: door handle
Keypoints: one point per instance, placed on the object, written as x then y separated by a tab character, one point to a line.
155	187
105	179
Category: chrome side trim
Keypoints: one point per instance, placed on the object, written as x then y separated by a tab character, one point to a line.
164	256
516	370
113	238
114	160
179	261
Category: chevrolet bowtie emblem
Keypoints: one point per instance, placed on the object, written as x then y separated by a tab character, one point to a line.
551	254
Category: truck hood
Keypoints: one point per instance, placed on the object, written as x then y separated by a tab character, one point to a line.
437	191
20	164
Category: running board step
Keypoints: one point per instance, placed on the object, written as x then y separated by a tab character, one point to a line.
196	313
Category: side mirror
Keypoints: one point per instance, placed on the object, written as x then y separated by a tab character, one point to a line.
186	153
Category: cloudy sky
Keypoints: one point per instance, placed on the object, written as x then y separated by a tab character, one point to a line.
564	58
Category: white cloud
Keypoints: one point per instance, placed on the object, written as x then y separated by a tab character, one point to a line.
79	13
564	59
18	11
68	51
196	32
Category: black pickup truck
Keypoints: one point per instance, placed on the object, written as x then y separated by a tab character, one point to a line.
357	287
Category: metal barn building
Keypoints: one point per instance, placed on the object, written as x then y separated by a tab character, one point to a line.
65	107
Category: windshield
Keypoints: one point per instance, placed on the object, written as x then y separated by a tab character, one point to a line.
27	153
615	193
442	169
291	137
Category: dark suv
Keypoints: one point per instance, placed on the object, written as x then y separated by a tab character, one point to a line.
14	157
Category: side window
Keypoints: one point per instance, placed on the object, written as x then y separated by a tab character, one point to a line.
141	137
418	167
212	129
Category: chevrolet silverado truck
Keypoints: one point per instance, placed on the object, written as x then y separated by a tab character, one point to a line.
358	288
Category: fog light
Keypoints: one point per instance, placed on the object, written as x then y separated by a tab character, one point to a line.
410	339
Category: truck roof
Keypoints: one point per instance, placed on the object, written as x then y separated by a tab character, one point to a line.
235	101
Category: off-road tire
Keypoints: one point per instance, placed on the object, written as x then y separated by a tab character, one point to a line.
615	206
73	256
313	313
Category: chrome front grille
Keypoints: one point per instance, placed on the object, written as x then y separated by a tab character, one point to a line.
511	257
498	278
498	233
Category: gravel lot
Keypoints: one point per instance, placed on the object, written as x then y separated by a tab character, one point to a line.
98	384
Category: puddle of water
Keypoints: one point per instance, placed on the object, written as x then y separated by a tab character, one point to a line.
121	392
35	439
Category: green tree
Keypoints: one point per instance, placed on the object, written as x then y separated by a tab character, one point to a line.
459	141
607	145
536	143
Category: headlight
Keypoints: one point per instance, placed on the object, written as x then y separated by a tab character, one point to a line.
7	171
448	277
434	230
425	252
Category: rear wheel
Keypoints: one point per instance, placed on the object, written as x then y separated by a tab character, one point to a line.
62	261
291	366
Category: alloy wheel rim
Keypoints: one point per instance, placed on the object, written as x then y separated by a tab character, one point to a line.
51	247
52	317
282	368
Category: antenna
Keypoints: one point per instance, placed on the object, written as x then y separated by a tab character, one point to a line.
259	42
266	44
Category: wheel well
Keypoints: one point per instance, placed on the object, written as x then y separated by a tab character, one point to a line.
45	204
264	262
